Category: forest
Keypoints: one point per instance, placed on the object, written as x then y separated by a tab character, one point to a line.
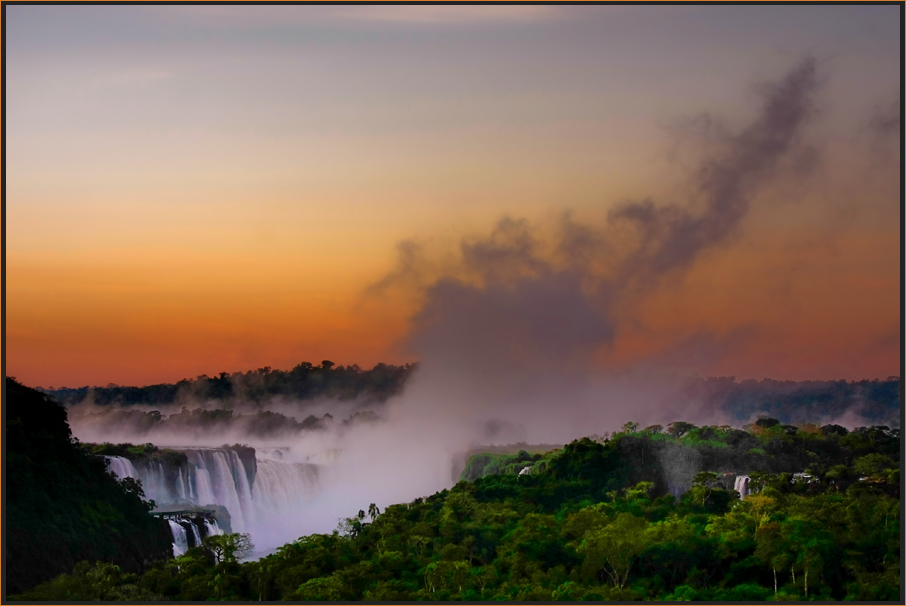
643	513
61	505
304	382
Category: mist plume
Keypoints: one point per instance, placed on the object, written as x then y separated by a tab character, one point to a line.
524	309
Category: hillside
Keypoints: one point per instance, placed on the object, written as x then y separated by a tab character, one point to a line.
61	505
595	520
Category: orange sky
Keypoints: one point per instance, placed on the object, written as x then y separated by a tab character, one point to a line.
219	192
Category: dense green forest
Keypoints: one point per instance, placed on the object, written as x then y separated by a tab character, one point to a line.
304	382
593	520
61	505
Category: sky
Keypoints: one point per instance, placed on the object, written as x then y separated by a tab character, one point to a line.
197	189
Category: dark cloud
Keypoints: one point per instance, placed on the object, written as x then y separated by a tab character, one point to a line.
510	252
524	300
885	130
885	119
671	236
546	321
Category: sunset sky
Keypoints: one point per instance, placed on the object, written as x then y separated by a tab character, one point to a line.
197	189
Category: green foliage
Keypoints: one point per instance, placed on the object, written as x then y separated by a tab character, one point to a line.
91	582
61	505
228	547
304	382
596	523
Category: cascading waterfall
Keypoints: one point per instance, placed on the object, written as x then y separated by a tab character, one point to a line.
180	540
221	479
152	475
281	486
212	528
121	466
218	476
190	532
741	485
212	477
196	535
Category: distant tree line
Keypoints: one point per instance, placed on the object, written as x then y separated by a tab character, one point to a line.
875	402
201	422
304	382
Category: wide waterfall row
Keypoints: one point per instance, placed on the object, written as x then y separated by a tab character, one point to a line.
211	477
219	477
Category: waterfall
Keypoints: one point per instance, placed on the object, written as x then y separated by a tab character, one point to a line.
211	477
204	492
121	466
221	480
211	528
218	476
196	535
243	489
280	486
741	485
180	540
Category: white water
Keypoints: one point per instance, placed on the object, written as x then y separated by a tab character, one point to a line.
218	477
121	466
283	486
212	528
741	485
196	535
221	480
180	541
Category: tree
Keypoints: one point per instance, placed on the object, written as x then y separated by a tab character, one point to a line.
229	547
373	511
321	589
773	548
811	541
678	429
615	547
874	464
766	422
704	483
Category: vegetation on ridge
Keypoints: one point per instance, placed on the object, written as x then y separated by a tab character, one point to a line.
61	505
596	523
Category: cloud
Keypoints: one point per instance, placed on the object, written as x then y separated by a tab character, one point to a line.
528	295
672	236
510	329
885	119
